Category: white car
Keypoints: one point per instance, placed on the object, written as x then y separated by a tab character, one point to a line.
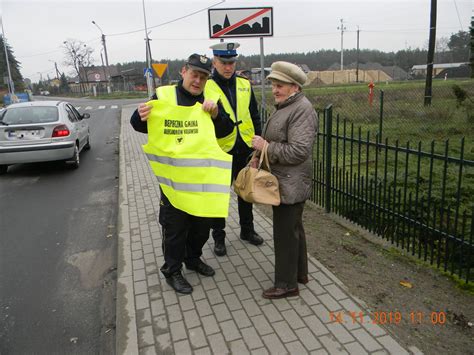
40	131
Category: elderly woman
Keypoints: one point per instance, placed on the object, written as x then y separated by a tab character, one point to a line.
290	132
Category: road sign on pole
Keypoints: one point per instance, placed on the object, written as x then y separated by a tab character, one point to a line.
241	22
159	68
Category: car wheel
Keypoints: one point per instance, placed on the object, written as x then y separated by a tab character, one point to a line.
3	169
88	144
75	160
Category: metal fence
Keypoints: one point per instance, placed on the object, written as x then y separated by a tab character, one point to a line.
417	198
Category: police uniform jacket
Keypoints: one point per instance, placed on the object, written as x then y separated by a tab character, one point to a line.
228	87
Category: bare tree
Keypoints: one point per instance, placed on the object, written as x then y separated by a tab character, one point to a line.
78	56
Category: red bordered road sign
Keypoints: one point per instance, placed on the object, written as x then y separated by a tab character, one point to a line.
241	22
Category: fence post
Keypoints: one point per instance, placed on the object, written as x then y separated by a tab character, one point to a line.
381	117
328	134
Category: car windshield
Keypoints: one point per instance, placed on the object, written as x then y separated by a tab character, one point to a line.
32	114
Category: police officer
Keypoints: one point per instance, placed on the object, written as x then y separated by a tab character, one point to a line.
183	206
238	100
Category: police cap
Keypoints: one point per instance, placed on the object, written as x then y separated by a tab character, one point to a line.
200	63
225	51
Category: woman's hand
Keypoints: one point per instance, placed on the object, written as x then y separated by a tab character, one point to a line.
211	107
144	111
254	162
258	143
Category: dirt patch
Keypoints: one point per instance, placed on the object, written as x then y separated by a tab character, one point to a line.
389	281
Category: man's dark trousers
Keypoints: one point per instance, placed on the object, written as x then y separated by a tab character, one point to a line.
184	236
239	162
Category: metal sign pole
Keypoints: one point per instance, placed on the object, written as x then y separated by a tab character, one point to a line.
262	78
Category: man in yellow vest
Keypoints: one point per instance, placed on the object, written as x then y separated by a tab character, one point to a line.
191	168
239	101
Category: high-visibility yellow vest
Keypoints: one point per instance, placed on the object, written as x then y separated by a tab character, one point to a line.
246	128
192	170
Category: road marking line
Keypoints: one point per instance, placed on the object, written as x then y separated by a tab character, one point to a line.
114	106
88	108
101	107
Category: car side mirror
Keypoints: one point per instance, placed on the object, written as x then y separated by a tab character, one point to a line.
85	115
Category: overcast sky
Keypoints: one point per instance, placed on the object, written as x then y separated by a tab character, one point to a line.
36	29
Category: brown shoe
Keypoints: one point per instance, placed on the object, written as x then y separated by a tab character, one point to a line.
303	280
275	293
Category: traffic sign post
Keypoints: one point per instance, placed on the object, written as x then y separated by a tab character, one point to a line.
244	22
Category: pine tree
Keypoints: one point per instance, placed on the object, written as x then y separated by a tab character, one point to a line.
14	69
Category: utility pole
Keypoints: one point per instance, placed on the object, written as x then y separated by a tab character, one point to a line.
106	56
11	85
431	49
342	28
357	59
148	73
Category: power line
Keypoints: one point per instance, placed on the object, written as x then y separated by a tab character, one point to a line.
457	12
168	22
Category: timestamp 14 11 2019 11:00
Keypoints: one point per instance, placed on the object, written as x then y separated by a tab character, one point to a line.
390	317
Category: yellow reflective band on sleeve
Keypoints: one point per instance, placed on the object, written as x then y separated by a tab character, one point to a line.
201	163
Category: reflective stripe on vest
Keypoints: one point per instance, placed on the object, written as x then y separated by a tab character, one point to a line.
246	128
192	170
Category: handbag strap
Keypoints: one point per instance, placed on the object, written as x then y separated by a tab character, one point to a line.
264	157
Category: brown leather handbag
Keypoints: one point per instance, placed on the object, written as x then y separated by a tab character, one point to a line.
256	185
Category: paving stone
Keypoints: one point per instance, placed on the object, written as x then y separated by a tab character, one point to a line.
191	318
214	296
140	287
273	344
141	301
230	331
272	314
218	344
285	333
225	288
296	348
170	297
203	308
251	338
355	348
157	307
222	312
339	332
232	302
242	292
145	336
197	337
182	347
308	339
261	324
391	345
210	324
315	324
293	319
251	307
143	317
241	319
178	331
331	345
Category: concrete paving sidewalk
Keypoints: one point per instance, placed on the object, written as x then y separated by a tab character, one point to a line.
225	313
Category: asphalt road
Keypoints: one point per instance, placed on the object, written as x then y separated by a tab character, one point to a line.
58	248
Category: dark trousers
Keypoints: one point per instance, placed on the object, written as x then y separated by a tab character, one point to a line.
183	237
291	259
239	161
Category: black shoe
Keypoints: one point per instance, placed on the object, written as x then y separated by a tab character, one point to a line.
252	238
219	247
179	283
202	268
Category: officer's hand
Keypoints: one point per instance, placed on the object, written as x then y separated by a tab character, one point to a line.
144	111
211	107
